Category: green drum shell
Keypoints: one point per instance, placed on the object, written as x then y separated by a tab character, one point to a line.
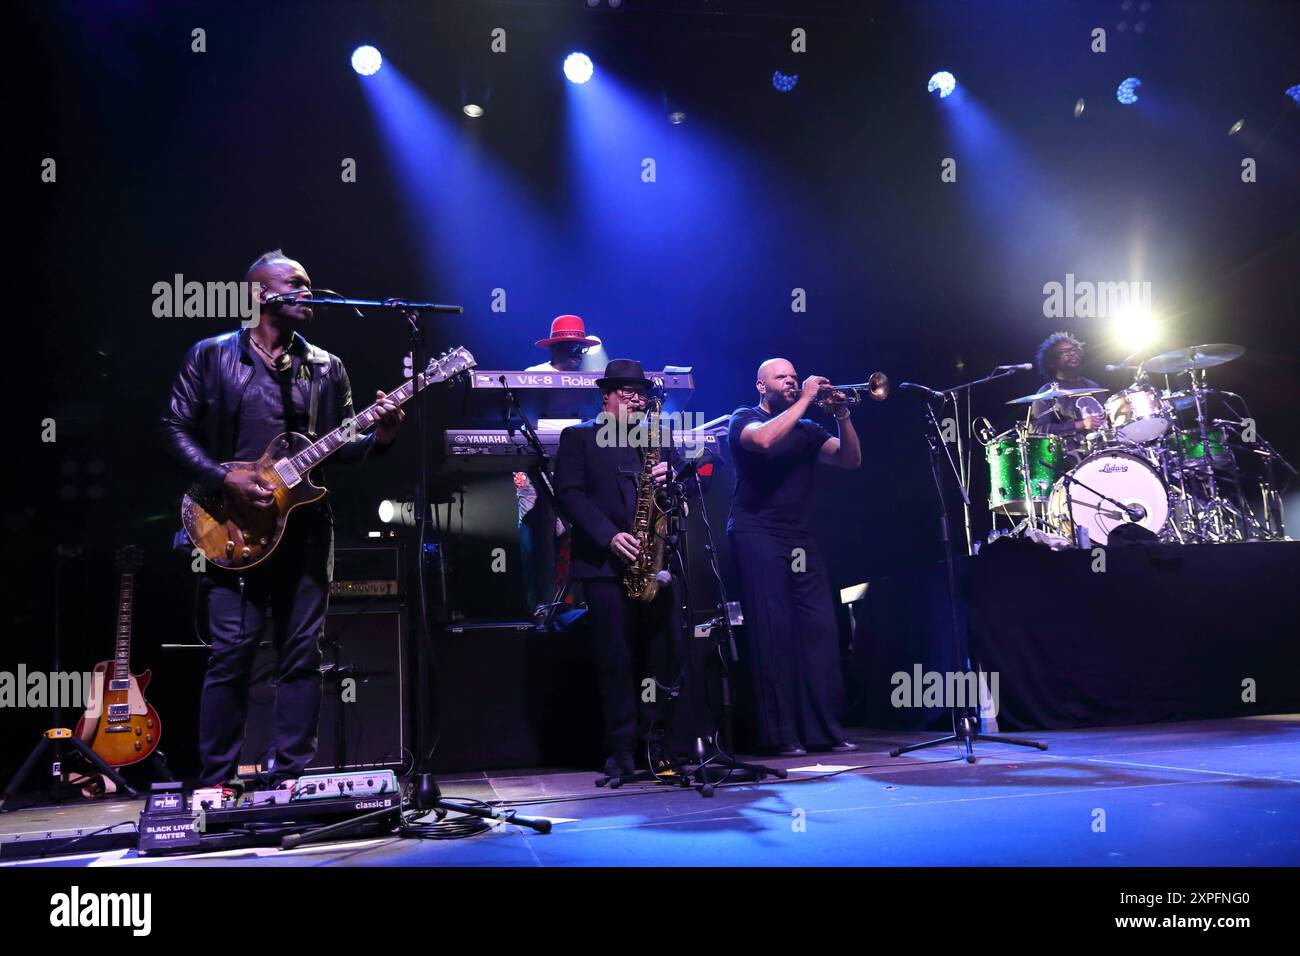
1006	483
1193	449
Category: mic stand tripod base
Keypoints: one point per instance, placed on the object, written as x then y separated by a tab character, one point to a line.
719	766
671	775
966	735
424	794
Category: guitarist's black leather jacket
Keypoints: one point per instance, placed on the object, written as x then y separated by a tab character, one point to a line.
199	424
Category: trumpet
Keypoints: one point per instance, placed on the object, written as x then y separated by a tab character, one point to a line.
834	396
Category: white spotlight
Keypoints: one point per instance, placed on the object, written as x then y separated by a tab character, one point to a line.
1134	327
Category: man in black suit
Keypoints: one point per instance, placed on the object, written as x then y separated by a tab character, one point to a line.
596	479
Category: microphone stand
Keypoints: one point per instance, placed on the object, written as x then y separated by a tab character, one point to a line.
546	486
718	764
965	725
416	316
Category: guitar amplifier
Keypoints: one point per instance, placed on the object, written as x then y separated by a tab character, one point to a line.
363	720
364	573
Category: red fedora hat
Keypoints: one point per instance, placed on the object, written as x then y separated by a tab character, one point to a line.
568	328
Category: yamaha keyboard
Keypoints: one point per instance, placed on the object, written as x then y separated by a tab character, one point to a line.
492	449
507	449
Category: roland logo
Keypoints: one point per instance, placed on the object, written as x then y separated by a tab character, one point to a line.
1112	467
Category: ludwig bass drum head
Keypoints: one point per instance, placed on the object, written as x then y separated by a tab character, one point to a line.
1117	475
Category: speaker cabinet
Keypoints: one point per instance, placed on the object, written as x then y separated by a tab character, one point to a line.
363	719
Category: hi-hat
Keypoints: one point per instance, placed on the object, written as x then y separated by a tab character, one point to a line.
1051	393
1194	357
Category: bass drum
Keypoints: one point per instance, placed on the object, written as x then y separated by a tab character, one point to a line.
1116	474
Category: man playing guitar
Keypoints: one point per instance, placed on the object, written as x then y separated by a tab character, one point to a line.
233	395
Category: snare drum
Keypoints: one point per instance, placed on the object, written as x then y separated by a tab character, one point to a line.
1137	415
1006	480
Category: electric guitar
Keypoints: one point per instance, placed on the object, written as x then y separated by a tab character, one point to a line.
238	540
119	724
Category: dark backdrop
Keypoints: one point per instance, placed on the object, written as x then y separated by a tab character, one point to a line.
171	161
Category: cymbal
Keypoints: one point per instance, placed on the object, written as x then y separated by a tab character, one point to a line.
1196	356
1051	393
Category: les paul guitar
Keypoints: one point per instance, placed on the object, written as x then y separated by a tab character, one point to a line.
239	540
119	724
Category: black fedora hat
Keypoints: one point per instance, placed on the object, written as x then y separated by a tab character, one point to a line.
623	372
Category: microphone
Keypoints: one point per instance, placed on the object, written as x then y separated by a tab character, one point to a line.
924	390
287	297
1135	512
687	471
1125	362
1022	367
664	576
310	299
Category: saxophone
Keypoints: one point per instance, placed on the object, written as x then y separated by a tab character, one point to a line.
650	524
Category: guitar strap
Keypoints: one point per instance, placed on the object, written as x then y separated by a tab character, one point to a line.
313	400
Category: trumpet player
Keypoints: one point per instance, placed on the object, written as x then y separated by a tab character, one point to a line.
792	645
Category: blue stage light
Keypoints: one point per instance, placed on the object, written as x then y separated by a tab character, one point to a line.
1126	93
578	68
784	82
944	82
1294	93
366	60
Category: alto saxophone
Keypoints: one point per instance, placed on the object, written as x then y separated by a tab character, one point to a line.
650	524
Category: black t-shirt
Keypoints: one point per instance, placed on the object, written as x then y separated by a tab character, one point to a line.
263	412
1058	417
773	491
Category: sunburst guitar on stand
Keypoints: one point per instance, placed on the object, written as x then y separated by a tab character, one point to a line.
119	724
238	541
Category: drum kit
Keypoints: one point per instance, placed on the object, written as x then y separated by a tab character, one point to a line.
1186	464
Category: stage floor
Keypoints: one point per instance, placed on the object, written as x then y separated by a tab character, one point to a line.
1205	793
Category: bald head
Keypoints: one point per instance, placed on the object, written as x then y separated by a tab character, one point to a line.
777	384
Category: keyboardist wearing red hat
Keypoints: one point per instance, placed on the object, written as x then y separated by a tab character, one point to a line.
542	535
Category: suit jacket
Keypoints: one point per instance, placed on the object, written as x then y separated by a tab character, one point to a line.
597	491
597	487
